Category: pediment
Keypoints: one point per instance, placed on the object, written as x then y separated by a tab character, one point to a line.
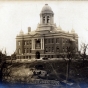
37	35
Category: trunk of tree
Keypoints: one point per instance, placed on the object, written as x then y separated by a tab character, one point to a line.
68	68
1	71
84	55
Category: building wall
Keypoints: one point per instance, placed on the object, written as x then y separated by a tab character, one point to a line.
49	43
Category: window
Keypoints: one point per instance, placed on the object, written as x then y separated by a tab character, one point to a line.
27	50
66	40
44	19
29	57
48	19
46	50
57	49
57	56
24	50
19	43
57	40
51	56
48	40
30	50
49	49
52	49
48	56
63	49
45	40
63	40
19	51
30	41
52	40
25	43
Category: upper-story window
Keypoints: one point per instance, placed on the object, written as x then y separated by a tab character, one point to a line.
52	49
25	43
30	41
46	50
57	48
30	50
63	40
19	51
45	41
44	19
48	19
52	40
48	40
57	40
19	43
63	50
49	49
27	50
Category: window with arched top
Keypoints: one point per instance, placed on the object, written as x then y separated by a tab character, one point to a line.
48	19
19	51
44	19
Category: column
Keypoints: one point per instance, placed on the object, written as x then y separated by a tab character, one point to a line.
32	44
45	19
41	43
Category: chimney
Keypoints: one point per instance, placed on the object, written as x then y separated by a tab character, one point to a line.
29	29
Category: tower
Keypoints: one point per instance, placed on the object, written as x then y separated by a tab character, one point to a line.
46	15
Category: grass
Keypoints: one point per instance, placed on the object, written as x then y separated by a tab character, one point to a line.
57	69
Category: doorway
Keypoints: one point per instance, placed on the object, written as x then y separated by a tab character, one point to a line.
37	55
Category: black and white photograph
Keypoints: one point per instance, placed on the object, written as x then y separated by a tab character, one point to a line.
43	44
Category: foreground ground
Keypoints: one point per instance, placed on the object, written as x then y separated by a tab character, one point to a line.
56	70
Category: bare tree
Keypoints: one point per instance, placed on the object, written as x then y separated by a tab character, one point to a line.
84	48
2	64
71	51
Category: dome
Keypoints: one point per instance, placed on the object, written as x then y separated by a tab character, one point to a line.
46	9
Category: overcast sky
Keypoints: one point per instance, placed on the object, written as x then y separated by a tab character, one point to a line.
22	14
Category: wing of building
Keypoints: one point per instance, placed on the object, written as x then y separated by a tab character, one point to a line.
47	40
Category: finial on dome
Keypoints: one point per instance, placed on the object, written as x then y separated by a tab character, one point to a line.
46	4
21	32
72	31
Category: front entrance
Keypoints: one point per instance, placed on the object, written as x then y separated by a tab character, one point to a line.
37	55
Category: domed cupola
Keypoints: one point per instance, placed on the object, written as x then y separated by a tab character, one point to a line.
46	9
46	15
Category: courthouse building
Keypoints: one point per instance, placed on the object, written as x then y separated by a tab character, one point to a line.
47	40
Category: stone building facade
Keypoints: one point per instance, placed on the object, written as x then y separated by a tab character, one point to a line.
47	40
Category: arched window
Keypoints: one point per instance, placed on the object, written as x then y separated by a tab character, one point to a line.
19	50
48	19
19	43
44	19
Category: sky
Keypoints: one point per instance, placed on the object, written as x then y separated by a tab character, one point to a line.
17	15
